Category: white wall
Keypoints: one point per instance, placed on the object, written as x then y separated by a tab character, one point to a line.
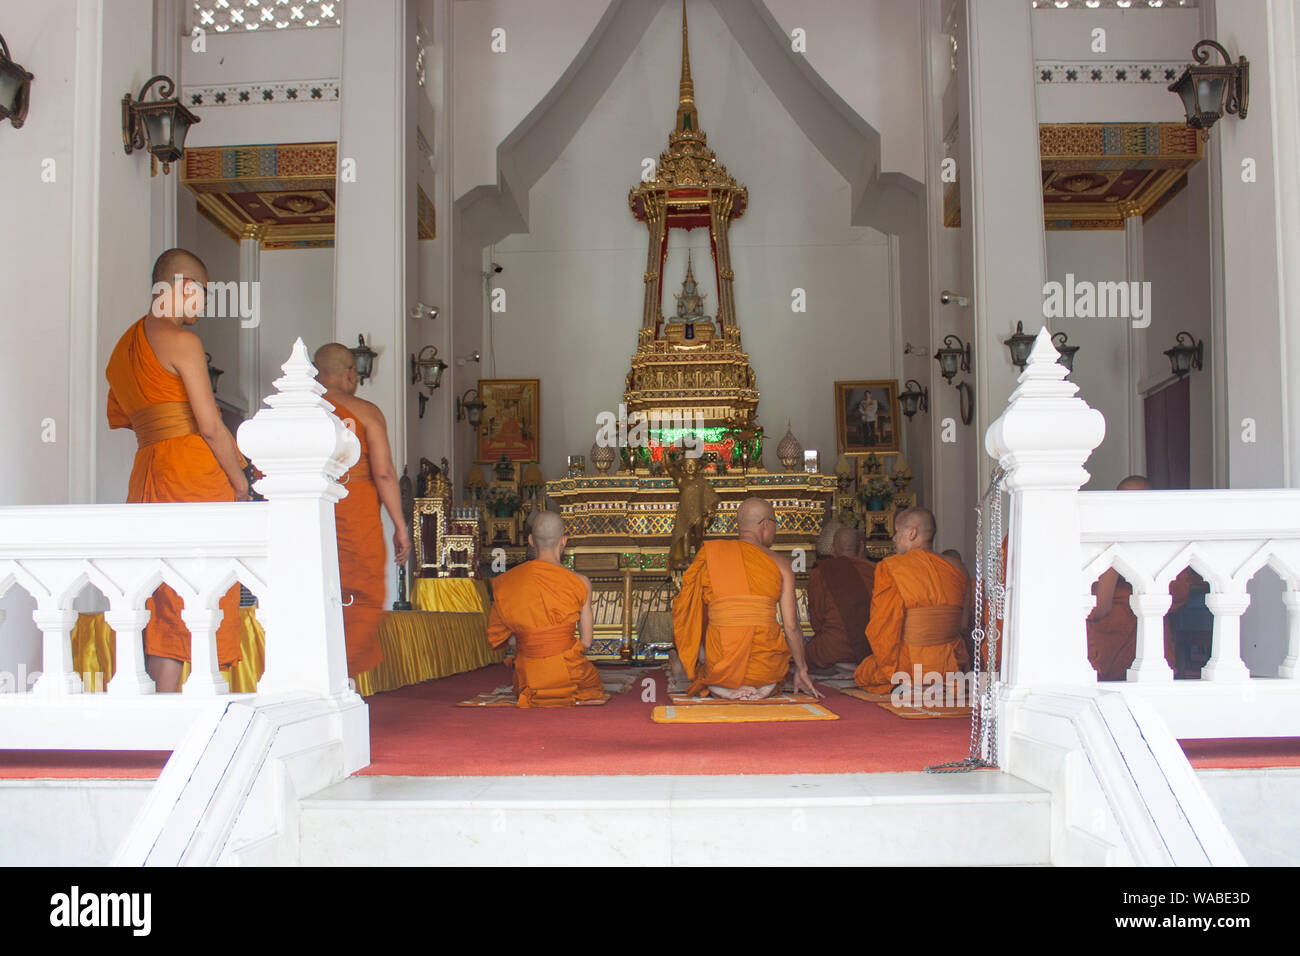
297	300
1101	364
870	52
574	283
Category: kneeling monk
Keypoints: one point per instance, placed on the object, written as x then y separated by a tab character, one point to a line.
539	602
839	602
158	386
733	589
360	531
917	608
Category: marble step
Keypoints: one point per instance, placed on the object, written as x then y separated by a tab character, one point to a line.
884	819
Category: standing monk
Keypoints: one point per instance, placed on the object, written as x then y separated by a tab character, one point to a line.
1112	625
538	603
158	386
729	598
916	610
372	480
839	602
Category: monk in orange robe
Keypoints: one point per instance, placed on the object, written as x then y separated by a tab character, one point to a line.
537	605
729	599
839	603
357	522
158	386
916	611
1112	625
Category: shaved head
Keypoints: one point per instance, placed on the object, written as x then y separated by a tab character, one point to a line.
333	362
846	543
180	262
826	540
546	529
752	512
1134	483
913	528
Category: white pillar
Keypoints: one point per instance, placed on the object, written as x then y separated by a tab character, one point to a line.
303	449
1149	662
57	679
374	245
1137	348
205	678
1284	77
1042	440
1225	662
130	679
168	23
250	339
1290	667
1001	193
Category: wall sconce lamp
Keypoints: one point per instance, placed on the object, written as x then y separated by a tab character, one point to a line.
427	371
1208	92
470	408
420	310
1066	351
159	127
1185	356
1020	345
214	373
365	359
952	357
15	88
916	396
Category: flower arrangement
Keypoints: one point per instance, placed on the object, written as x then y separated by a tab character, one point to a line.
504	502
876	492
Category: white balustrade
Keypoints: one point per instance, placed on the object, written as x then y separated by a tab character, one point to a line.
1061	540
283	550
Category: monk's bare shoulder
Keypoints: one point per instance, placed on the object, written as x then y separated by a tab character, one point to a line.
170	342
584	579
370	414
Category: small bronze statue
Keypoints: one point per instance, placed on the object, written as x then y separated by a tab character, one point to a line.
402	604
696	504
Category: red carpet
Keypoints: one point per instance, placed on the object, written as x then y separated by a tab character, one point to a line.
82	764
1243	753
418	731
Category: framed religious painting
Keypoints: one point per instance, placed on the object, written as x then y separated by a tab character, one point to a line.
512	419
866	417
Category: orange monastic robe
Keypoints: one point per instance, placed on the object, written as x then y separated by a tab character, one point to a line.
729	598
900	637
1112	640
172	463
540	602
361	557
839	606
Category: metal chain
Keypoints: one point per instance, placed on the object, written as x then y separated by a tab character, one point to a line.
990	591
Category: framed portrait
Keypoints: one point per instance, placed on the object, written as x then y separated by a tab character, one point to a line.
866	417
512	419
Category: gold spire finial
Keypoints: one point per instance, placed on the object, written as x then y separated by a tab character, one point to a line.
688	120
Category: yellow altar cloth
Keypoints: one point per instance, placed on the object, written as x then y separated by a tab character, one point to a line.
417	646
420	646
459	595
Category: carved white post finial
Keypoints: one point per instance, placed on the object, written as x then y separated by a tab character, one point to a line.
303	449
1042	439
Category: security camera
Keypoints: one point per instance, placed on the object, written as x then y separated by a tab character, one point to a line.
947	298
496	268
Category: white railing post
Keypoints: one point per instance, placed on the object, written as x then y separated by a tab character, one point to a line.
57	676
130	678
1042	440
1290	667
1225	663
302	449
205	678
1149	663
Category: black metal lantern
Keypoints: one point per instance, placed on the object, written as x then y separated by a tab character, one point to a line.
1066	351
1208	92
15	88
952	357
427	369
471	409
214	373
915	396
1185	356
365	358
1020	345
159	127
